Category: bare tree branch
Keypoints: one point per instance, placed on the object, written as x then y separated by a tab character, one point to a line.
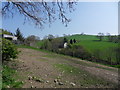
40	12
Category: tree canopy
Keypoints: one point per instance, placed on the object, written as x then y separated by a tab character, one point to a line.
39	13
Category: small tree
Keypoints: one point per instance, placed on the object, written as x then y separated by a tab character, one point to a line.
57	43
71	42
19	35
100	36
30	40
50	37
65	40
82	33
74	41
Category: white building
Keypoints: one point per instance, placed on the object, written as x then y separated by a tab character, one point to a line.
11	37
65	45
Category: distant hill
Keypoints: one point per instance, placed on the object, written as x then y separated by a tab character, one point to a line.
80	37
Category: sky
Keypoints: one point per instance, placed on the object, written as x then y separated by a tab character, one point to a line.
88	17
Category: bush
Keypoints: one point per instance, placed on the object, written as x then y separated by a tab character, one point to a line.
53	45
76	51
80	52
9	50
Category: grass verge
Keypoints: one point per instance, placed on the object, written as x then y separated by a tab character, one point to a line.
8	81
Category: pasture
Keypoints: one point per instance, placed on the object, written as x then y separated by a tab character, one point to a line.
101	49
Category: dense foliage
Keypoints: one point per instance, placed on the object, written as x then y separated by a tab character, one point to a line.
9	50
53	44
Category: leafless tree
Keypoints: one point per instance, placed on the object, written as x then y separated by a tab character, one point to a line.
100	36
39	13
31	40
50	37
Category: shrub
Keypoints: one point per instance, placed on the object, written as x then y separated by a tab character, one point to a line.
76	51
9	50
80	52
53	45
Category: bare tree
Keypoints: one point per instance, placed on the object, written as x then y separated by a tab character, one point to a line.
100	36
39	13
50	37
19	35
31	40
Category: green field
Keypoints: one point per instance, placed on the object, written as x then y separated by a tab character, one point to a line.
84	37
92	44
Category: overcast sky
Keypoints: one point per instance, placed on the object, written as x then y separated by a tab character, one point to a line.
89	17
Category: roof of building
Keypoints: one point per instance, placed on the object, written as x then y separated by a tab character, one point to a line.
10	36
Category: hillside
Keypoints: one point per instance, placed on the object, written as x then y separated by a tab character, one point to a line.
82	37
38	69
102	49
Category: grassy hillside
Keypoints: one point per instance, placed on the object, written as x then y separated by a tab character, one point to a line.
102	49
84	37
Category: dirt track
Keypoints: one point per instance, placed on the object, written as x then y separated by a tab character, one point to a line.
49	68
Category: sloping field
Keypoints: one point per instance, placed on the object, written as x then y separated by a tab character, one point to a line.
101	49
39	69
82	37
